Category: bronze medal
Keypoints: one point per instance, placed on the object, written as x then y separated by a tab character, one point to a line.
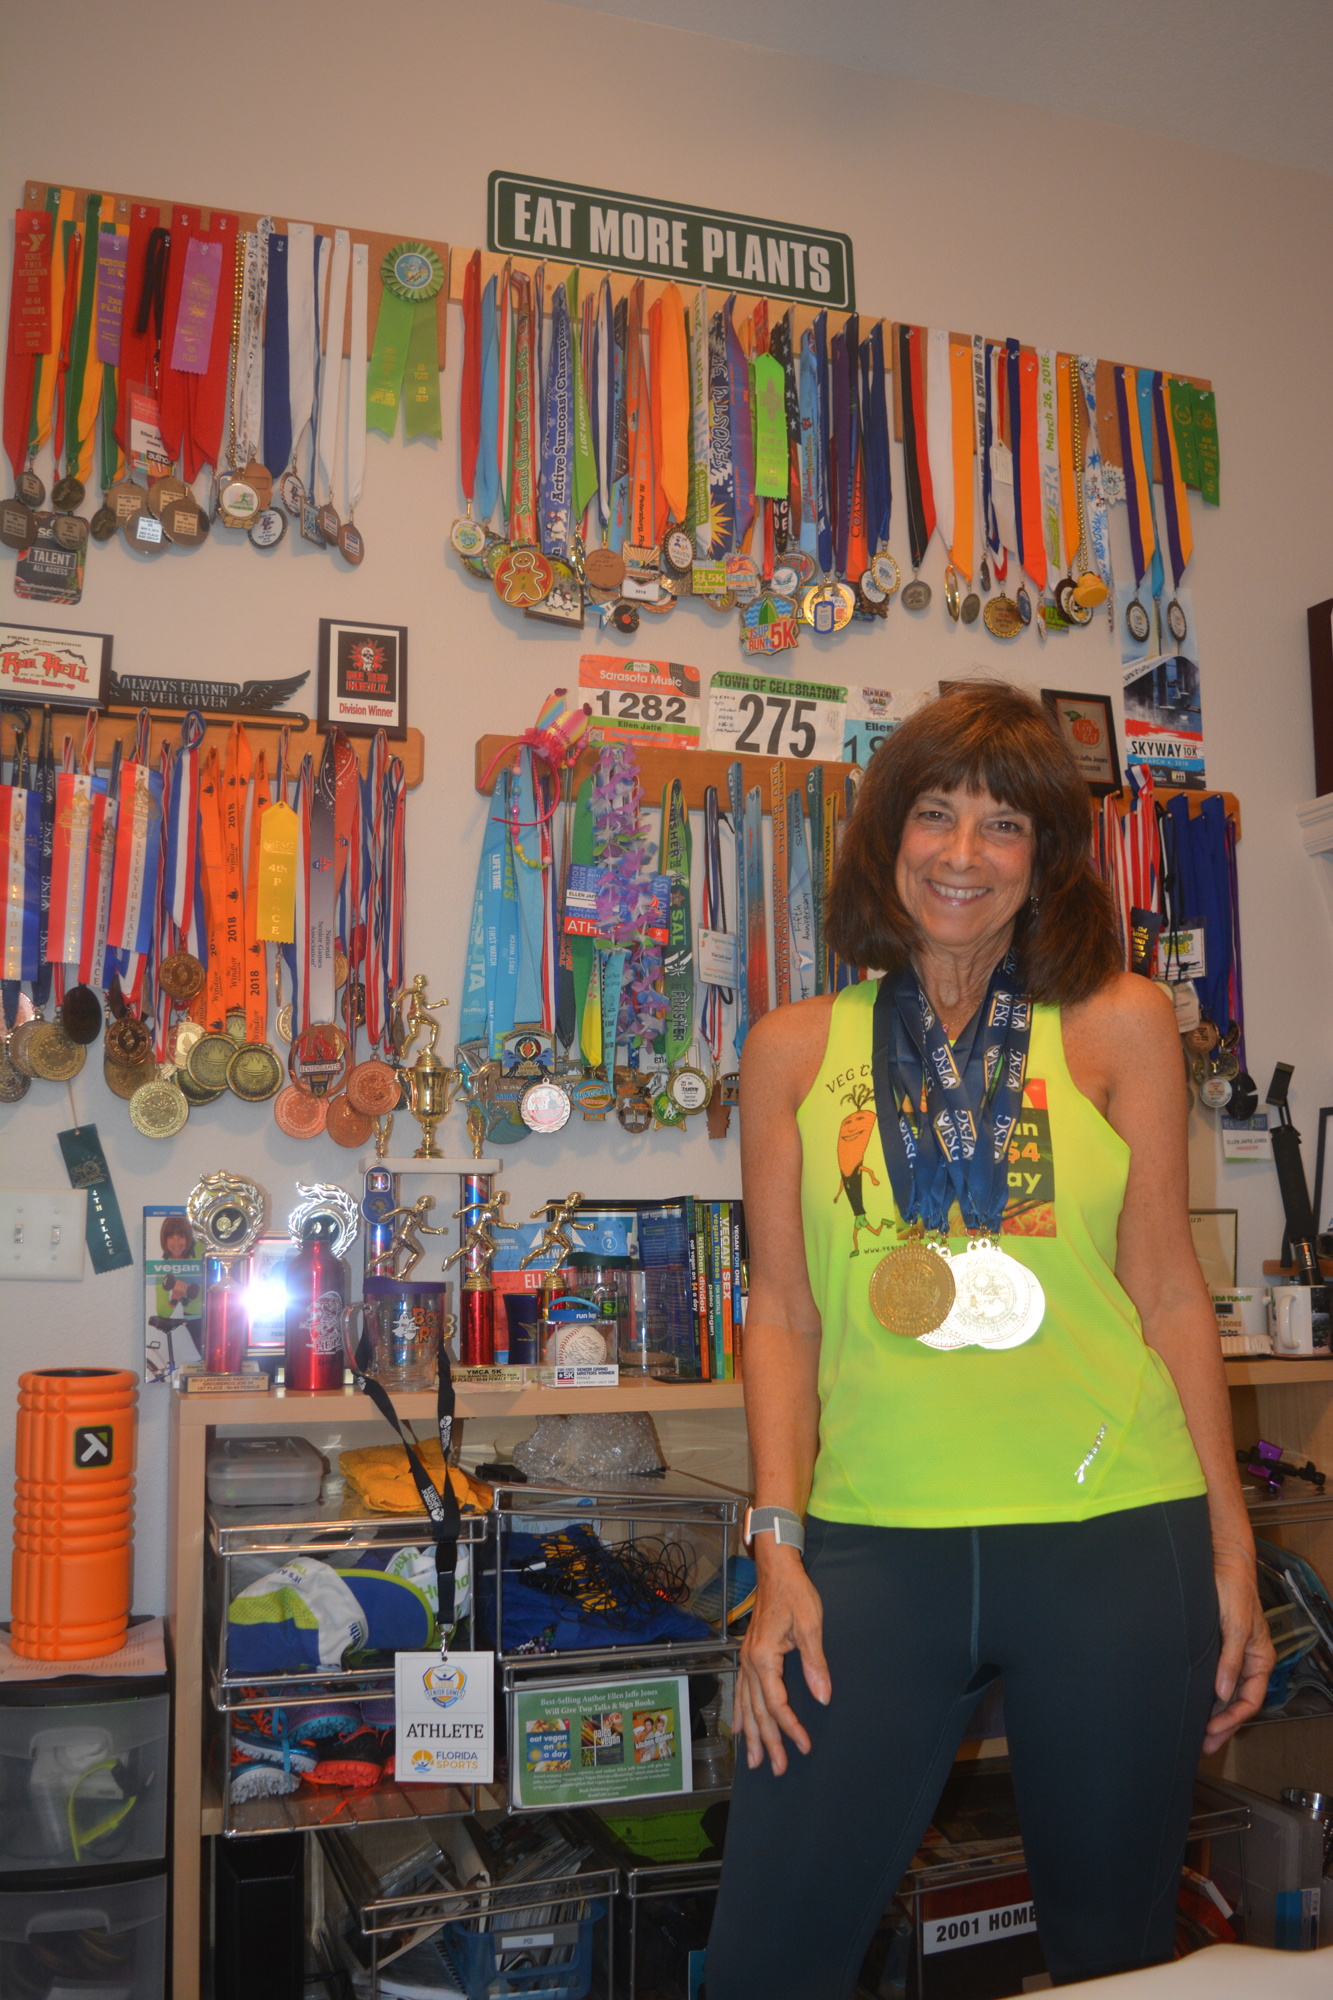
916	595
67	494
183	1040
522	576
19	1041
970	608
143	531
254	1073
209	1060
315	1062
125	498
18	526
330	522
350	545
256	474
238	501
912	1290
123	1079
604	568
373	1088
81	1014
635	1113
129	1040
13	1083
345	1125
181	976
70	531
162	492
268	528
104	524
1003	618
54	1055
29	488
235	1024
185	523
298	1114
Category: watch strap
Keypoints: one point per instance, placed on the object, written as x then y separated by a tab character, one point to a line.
786	1528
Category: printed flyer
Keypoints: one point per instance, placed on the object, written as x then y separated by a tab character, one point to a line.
1164	719
601	1741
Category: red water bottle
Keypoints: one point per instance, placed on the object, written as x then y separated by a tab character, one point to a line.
316	1296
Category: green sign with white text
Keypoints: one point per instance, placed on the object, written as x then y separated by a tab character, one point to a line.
623	232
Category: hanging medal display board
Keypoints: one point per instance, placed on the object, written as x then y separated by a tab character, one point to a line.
625	445
219	903
192	362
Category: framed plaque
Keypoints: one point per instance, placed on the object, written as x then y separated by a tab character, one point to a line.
42	664
1087	723
362	678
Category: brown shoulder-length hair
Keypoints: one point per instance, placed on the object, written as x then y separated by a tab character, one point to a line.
983	736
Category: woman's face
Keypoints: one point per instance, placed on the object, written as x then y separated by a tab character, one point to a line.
178	1243
964	869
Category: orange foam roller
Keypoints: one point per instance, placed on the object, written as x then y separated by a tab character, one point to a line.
73	1512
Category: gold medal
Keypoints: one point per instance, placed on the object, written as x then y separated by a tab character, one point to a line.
236	1024
1003	618
129	1040
197	1093
13	1083
254	1073
158	1109
912	1290
208	1061
187	1034
54	1055
953	600
181	975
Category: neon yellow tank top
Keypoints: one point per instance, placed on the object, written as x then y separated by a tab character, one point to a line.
1082	1419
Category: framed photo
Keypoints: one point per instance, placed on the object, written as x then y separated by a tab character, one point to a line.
173	1270
39	663
362	677
1087	722
1215	1234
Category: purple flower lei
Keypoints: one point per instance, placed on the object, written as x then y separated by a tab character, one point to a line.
624	855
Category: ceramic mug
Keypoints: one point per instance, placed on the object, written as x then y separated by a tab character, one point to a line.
1300	1321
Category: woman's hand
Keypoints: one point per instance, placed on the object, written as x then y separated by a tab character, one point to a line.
788	1617
1247	1657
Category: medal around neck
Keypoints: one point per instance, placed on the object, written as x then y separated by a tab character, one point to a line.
912	1288
998	1302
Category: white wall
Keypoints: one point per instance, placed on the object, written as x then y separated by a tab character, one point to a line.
965	213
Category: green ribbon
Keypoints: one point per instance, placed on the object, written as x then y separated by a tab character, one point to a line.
1182	426
1205	443
585	465
404	364
583	952
83	319
770	428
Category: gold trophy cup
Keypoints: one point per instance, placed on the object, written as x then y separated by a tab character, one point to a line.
430	1092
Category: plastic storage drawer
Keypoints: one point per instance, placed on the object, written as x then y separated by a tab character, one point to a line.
101	1942
83	1779
264	1472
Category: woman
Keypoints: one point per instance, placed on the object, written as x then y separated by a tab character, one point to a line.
997	1477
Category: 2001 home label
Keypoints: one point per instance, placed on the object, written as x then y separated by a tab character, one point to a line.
765	716
977	1927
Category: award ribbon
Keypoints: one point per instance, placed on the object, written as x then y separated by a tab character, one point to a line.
678	958
48	370
557	493
93	970
916	465
1141	538
20	871
488	448
523	476
331	375
206	394
1027	459
1001	455
581	341
1145	415
1048	455
800	901
277	359
808	393
405	361
642	523
29	334
742	432
604	400
301	350
138	851
469	398
721	469
716	998
1099	526
69	866
673	444
756	928
736	814
699	426
963	545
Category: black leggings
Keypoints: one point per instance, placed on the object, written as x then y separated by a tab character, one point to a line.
1106	1633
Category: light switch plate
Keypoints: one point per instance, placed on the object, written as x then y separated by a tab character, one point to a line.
42	1232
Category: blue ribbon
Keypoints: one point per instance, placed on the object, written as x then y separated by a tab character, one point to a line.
487	490
277	363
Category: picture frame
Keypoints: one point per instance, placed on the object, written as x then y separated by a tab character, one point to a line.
46	665
1087	722
1216	1235
362	680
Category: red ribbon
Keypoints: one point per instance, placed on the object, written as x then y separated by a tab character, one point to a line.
29	327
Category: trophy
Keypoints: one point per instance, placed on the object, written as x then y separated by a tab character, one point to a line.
228	1213
430	1085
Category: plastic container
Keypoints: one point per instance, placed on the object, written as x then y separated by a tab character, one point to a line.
483	1961
103	1942
264	1472
83	1781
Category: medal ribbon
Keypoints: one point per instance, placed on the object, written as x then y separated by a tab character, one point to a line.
814	789
46	809
939	430
604	400
699	426
916	465
48	370
138	851
642	524
756	925
373	815
487	490
354	463
840	458
321	902
522	492
962	549
29	327
1048	455
84	386
299	958
716	998
256	955
69	866
301	263
502	935
93	968
331	376
1099	526
678	958
1065	378
1179	536
1027	468
206	394
236	776
21	831
525	843
742	424
736	814
808	392
504	409
212	852
581	344
183	823
1001	456
1145	432
721	525
172	392
800	901
469	400
141	327
277	359
557	494
62	411
1131	451
981	403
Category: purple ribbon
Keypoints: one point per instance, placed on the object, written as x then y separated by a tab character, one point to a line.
112	251
198	307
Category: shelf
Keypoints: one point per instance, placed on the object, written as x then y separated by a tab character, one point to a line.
317	1806
1265	1372
412	1165
1298	1507
696	770
348	1406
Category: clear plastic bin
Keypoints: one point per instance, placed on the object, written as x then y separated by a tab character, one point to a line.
104	1942
83	1783
264	1472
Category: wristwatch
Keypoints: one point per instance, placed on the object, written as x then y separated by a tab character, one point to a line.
786	1528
